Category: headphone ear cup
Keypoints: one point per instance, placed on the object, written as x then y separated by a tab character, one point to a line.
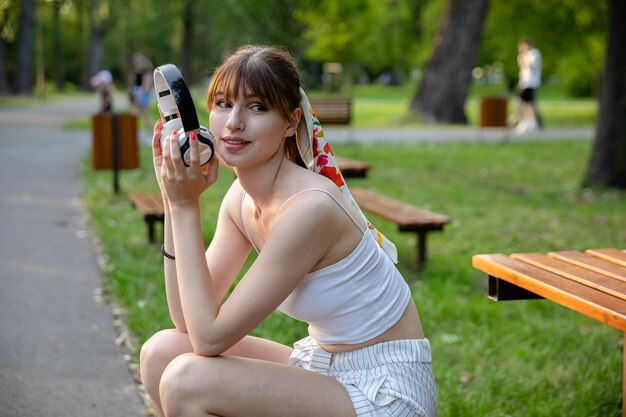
206	142
174	124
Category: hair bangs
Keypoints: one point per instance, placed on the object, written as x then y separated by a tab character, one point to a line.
252	74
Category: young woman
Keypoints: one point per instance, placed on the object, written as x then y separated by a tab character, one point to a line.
317	261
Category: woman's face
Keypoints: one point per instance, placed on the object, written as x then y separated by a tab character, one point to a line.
246	130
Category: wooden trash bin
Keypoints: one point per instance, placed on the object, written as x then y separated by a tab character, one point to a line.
493	112
103	127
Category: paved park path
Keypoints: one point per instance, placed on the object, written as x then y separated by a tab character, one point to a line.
57	352
58	355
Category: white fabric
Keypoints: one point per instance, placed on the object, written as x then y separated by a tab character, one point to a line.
363	296
530	69
390	379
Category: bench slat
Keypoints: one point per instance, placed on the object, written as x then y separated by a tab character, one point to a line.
612	255
406	216
332	110
147	204
601	282
578	297
352	168
592	263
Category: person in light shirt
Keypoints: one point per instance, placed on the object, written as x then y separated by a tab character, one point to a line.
529	62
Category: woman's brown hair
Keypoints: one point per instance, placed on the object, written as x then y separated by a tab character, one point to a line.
267	72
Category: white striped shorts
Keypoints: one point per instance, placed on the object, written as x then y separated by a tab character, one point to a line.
389	379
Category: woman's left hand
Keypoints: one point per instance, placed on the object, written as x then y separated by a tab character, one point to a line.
184	184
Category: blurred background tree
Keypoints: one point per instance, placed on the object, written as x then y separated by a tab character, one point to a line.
607	165
442	91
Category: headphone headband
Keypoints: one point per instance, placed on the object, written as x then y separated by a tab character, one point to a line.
172	93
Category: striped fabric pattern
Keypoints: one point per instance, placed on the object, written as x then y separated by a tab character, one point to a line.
390	379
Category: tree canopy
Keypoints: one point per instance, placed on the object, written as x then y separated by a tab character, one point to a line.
369	37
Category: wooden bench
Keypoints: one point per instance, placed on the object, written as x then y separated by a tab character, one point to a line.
151	207
407	217
332	110
351	168
592	283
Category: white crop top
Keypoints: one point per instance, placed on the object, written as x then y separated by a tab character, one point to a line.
353	300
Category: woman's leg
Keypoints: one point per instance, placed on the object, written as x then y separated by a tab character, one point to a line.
166	345
232	386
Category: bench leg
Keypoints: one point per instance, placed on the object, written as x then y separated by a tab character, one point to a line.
421	249
150	230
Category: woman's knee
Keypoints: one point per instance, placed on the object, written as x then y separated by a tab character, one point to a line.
155	346
161	348
186	383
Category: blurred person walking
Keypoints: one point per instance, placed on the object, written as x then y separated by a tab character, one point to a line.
529	62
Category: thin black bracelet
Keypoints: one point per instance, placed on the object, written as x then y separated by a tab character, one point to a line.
167	255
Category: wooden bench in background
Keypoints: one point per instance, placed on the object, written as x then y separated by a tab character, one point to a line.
332	110
407	217
151	207
351	168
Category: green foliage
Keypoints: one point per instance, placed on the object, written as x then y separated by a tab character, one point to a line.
490	359
581	70
369	36
380	35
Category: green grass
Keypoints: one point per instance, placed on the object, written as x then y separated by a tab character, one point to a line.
387	107
516	358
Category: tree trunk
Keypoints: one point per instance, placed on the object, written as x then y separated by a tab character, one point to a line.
81	16
59	67
95	47
187	45
607	165
25	47
4	80
443	88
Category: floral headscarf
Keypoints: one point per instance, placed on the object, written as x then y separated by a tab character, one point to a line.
318	157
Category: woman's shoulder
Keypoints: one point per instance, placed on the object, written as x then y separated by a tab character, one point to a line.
314	188
319	197
317	181
234	196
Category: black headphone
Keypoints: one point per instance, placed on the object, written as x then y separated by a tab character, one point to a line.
179	112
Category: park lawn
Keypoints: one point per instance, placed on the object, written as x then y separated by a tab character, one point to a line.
376	106
515	358
388	107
